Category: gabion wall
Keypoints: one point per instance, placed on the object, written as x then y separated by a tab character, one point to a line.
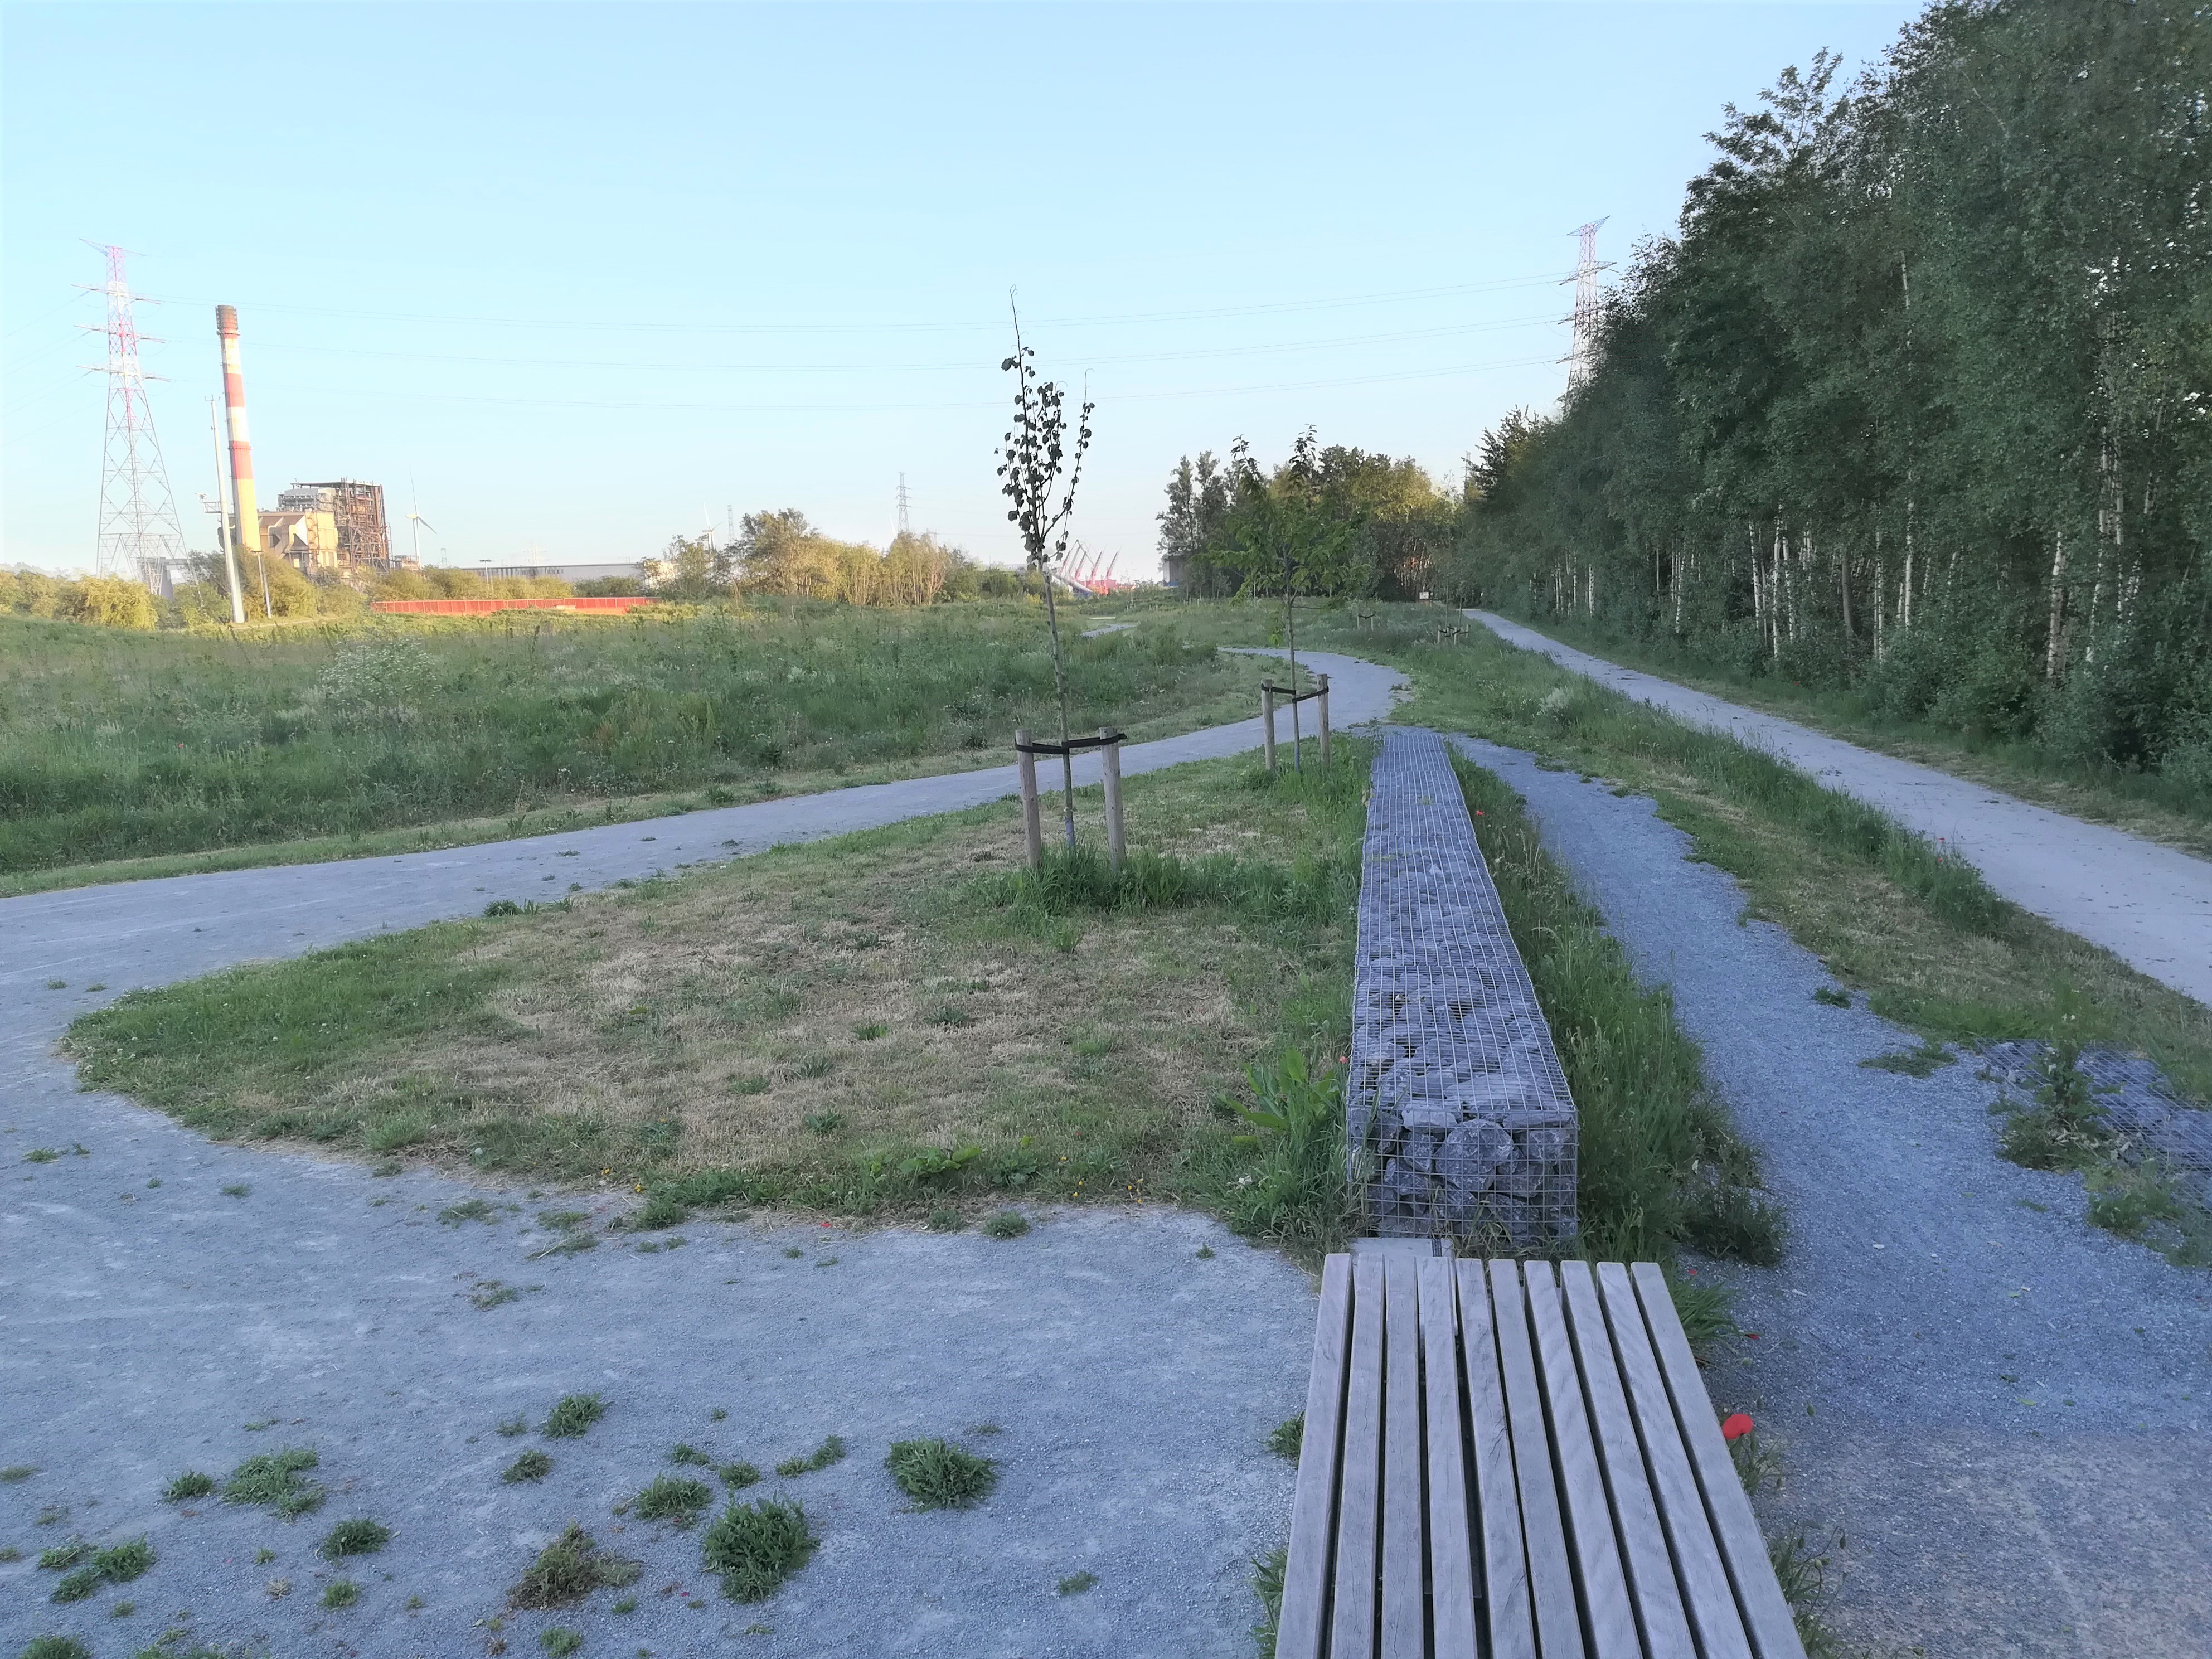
1458	1113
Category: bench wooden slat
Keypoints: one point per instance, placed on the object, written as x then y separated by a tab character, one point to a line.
1709	1597
1352	1621
1551	1581
1405	1601
1610	1619
1506	1606
1644	1555
1452	1551
1765	1614
1313	1507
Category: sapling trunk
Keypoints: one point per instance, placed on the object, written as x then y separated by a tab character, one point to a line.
1059	685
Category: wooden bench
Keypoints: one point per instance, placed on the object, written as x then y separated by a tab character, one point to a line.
1516	1460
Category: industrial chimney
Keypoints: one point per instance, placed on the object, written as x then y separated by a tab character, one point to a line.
248	515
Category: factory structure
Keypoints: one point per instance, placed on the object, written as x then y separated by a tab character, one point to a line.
332	529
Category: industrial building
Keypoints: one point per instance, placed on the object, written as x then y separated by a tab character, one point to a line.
335	526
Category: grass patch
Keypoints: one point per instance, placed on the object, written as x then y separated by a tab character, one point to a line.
15	1474
341	1593
1076	1584
1268	1573
1288	1438
671	1498
1007	1223
274	1481
1924	1062
475	1209
739	1475
117	1565
523	1048
682	1453
831	1450
569	1569
355	1537
62	1557
938	1476
754	1547
560	1641
56	1647
1830	997
573	1415
380	735
533	1465
188	1486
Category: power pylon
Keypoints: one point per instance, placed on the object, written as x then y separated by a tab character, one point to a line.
139	534
1588	300
904	527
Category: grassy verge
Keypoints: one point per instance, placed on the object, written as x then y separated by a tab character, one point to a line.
121	747
895	1022
2143	803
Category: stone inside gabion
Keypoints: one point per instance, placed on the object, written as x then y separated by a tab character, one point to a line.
1457	1106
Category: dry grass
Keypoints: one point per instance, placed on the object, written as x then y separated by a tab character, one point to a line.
613	1035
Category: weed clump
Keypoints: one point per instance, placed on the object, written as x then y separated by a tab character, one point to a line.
671	1498
755	1547
831	1450
682	1453
56	1647
189	1484
117	1564
272	1480
2066	1129
573	1416
938	1475
569	1569
533	1465
739	1475
341	1593
1007	1223
1076	1584
356	1537
560	1641
1288	1438
63	1557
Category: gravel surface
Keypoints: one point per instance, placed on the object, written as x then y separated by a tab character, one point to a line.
2001	1408
148	1316
2150	905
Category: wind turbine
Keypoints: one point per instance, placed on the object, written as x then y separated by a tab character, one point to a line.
416	523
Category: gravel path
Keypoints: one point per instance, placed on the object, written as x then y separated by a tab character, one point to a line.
2002	1408
148	1315
2150	905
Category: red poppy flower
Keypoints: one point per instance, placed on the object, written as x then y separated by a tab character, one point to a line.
1736	1427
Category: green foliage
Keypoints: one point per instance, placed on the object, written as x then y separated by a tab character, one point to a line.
1294	1188
2066	1127
755	1547
56	1647
569	1569
573	1416
671	1498
938	1476
273	1480
1007	1223
1867	424
533	1465
1288	1438
1267	1574
115	745
355	1537
189	1484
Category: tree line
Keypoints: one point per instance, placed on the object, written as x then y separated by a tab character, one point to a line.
1920	400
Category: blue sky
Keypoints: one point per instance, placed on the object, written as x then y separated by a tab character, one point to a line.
595	275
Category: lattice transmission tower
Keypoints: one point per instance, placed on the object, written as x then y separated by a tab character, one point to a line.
905	528
1589	299
139	533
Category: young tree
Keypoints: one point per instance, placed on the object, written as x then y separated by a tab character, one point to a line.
1288	546
1030	462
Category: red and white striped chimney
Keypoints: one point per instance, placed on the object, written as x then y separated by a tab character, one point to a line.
241	447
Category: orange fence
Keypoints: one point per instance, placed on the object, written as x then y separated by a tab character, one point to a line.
475	607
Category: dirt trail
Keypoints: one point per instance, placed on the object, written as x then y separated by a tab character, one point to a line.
2150	905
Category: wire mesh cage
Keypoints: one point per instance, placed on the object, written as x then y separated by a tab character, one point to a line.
1457	1112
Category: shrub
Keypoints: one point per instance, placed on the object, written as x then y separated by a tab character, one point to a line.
671	1498
755	1547
569	1569
355	1538
938	1475
573	1416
